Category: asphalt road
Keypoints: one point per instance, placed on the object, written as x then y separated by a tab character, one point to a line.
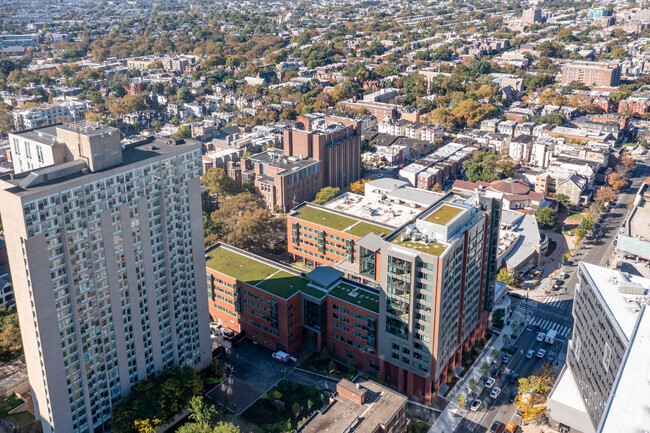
547	309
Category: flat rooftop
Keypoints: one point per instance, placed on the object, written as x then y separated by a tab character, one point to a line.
275	158
443	215
390	214
640	221
433	248
622	306
132	154
253	271
342	223
357	295
343	414
630	400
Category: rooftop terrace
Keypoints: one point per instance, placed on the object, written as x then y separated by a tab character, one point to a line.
433	248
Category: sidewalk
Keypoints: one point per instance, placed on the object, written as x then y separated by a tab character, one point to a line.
449	419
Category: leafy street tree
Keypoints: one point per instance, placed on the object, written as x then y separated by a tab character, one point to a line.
461	401
205	419
184	131
533	393
488	167
605	195
546	218
628	161
326	194
485	368
616	181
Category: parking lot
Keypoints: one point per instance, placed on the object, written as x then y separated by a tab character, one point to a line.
255	372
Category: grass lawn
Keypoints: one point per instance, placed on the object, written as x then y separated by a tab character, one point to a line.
363	228
328	219
285	407
238	266
26	422
443	214
7	404
356	296
283	284
575	219
321	363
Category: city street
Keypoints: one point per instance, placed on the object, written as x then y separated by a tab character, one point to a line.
550	310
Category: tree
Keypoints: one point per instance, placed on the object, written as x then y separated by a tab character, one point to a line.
472	112
219	182
205	419
326	194
158	398
533	393
485	368
184	131
494	352
546	218
473	384
629	162
147	425
359	187
488	167
243	220
184	96
461	401
605	195
6	121
127	105
93	117
10	342
616	181
444	117
436	188
563	199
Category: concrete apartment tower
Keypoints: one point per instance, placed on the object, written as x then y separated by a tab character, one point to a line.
104	250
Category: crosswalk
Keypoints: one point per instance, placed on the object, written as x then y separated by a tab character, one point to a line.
553	302
547	325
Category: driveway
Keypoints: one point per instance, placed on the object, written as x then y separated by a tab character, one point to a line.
255	373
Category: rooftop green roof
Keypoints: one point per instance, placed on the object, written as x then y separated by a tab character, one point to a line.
342	223
238	266
433	248
356	295
443	214
283	284
363	228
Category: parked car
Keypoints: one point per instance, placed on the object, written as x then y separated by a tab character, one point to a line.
540	336
515	295
513	378
541	353
489	383
497	427
476	405
506	358
281	356
511	427
495	392
535	328
511	349
513	396
530	354
495	373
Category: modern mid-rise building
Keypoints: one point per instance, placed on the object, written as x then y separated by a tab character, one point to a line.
595	74
532	16
49	114
426	266
607	308
104	251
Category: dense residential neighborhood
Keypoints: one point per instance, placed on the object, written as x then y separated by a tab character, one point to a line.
342	215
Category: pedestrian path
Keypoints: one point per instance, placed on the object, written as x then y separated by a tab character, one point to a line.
547	325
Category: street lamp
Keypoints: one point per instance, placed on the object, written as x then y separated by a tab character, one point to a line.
527	290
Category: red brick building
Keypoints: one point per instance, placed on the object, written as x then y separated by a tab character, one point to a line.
637	103
592	73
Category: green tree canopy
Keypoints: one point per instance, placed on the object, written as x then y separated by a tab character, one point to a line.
326	194
546	218
488	167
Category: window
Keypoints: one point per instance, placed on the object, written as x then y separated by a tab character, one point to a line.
39	153
16	147
28	150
